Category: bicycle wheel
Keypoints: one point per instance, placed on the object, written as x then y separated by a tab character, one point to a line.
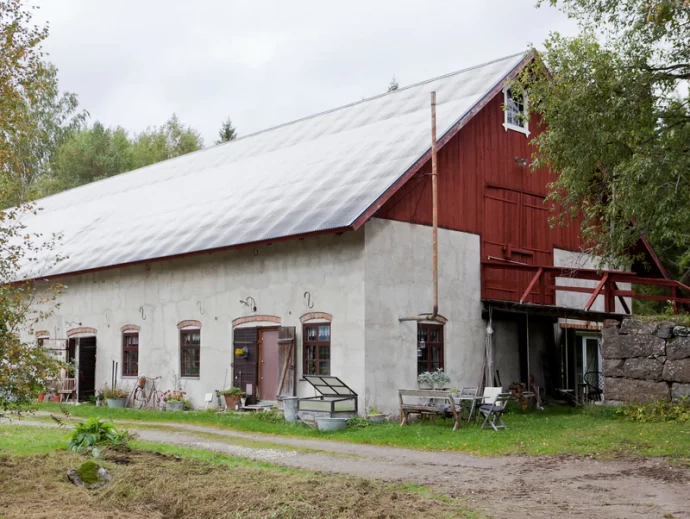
154	399
139	397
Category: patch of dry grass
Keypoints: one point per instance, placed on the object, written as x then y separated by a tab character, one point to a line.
153	485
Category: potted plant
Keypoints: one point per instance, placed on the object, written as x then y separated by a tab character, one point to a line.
434	379
375	416
232	397
115	396
174	399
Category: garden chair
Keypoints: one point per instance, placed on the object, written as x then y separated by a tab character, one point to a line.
493	412
489	396
595	387
467	393
67	388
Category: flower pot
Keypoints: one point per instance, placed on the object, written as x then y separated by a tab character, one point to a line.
175	405
232	401
41	396
325	423
116	402
376	418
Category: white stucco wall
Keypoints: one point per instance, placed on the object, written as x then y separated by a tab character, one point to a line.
398	282
208	288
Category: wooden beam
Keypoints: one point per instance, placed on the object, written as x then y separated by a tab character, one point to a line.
529	288
597	291
622	300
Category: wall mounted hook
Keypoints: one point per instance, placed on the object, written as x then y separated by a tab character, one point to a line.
141	311
307	296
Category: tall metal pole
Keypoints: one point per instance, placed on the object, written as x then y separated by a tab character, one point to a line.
434	200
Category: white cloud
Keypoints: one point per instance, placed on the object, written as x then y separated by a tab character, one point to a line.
263	63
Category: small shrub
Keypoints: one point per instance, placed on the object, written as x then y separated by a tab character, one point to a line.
435	379
113	393
357	422
657	411
273	415
96	432
233	391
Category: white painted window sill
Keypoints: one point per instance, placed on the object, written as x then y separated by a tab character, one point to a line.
519	129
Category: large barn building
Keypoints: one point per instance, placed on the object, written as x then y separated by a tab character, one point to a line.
307	249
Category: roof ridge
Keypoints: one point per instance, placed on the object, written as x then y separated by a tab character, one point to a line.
294	121
367	99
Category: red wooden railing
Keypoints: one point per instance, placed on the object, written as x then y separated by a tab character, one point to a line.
536	284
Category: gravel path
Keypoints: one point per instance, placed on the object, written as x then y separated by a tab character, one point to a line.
504	487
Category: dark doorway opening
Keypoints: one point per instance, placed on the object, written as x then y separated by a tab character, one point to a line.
87	368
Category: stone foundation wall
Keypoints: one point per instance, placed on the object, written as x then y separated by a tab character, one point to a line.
645	361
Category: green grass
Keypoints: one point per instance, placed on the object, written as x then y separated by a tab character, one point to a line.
18	440
556	431
36	457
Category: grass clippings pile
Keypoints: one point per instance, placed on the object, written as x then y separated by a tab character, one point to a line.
152	485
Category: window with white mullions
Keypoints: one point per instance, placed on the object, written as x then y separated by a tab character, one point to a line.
515	111
317	349
190	353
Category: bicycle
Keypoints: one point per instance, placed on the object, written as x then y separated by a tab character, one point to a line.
140	397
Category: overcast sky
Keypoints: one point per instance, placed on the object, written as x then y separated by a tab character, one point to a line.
134	63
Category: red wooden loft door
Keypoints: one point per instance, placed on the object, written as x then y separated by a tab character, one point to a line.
515	229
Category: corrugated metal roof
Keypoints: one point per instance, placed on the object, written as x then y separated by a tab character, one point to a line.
314	174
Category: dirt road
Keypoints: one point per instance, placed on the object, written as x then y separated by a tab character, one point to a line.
502	487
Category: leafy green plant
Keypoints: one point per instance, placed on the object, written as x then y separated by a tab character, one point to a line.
357	422
434	379
113	393
374	411
96	432
233	391
657	411
273	415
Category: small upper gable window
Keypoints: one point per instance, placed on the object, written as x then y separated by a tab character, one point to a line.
515	108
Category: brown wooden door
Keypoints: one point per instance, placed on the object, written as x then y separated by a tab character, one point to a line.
288	361
269	364
515	230
501	241
537	239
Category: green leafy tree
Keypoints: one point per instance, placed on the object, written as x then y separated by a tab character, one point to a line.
24	368
166	142
227	132
50	117
615	110
91	154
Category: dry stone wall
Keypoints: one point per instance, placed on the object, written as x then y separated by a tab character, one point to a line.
645	361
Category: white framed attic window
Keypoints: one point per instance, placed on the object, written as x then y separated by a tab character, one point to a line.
515	108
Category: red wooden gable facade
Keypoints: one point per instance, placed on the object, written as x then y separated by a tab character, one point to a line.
485	188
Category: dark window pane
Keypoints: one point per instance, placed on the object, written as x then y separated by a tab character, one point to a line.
324	333
324	367
311	333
